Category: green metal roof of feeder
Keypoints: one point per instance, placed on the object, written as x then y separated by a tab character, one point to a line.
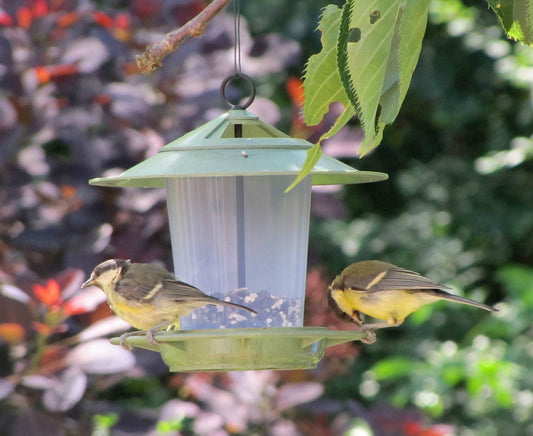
235	143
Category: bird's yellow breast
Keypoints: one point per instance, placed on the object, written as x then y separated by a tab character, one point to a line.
392	306
145	315
140	316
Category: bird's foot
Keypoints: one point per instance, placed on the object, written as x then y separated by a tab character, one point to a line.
369	336
125	336
369	330
150	337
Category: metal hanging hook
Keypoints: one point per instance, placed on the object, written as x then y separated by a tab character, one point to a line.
237	64
231	78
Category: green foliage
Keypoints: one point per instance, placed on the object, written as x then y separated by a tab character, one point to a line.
516	18
376	44
103	423
140	392
177	425
369	52
457	208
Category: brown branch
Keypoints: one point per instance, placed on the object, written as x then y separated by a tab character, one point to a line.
153	56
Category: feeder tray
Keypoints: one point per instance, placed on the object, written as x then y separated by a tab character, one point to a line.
240	349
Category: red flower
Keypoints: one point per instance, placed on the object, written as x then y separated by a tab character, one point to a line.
49	294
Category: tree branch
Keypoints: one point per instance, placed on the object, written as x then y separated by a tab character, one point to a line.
153	56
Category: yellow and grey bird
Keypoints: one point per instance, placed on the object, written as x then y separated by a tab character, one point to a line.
148	296
385	292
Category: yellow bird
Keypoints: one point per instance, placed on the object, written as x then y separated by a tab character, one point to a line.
385	292
148	296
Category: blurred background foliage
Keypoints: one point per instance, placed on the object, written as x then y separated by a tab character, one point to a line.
458	208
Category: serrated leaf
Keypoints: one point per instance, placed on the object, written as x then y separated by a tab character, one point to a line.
322	82
376	70
504	11
516	17
369	143
363	64
405	51
346	115
376	45
522	13
322	86
313	154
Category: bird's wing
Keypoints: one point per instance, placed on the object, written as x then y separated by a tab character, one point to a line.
177	290
133	290
394	278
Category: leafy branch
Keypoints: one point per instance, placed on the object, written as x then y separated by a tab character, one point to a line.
370	49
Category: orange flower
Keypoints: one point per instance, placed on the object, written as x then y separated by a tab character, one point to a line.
12	333
41	328
49	294
295	90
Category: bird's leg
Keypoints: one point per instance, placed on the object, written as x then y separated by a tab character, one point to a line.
150	333
356	318
174	326
381	325
127	335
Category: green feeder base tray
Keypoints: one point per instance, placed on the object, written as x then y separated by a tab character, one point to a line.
240	349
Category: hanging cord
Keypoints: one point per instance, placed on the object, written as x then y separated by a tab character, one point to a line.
237	34
238	74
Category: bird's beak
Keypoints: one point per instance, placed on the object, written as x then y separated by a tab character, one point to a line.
89	282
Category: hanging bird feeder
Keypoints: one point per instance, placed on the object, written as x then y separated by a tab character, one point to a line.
237	236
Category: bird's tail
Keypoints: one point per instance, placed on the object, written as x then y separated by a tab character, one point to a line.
447	296
227	303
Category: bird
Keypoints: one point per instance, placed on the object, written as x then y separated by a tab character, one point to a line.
148	297
386	292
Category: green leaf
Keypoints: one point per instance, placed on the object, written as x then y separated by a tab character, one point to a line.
393	368
516	17
322	82
363	64
404	54
369	52
504	11
313	154
376	68
322	86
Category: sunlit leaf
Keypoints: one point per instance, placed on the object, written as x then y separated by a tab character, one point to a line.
322	82
84	302
313	155
362	61
66	391
378	49
516	17
518	281
293	394
322	86
104	327
14	293
6	388
100	357
37	381
392	368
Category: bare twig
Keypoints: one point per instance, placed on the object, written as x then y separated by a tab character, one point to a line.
153	56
